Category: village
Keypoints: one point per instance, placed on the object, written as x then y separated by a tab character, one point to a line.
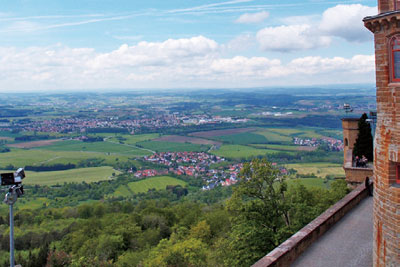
81	125
196	164
331	143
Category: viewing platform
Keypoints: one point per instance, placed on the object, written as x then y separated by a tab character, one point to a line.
348	243
341	236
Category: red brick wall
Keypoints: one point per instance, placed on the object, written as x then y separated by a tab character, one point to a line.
387	145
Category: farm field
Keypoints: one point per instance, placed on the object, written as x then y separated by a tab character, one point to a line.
22	157
240	151
320	169
144	185
284	147
242	138
133	139
187	139
275	137
32	144
87	175
104	147
310	182
163	146
213	133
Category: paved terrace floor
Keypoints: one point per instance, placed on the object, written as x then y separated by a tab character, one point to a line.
348	243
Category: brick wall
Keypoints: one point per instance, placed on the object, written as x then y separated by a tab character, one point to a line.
356	176
350	134
387	142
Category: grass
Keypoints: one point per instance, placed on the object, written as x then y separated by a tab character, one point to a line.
104	147
87	175
275	137
23	157
133	139
242	138
239	151
164	146
285	135
309	182
158	183
277	147
320	169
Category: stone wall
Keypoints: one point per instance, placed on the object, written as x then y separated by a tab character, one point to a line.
356	176
289	250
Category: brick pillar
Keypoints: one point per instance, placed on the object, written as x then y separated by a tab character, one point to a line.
387	140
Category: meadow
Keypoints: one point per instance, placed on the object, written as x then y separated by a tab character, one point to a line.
240	151
242	138
320	169
144	185
103	147
164	146
88	175
132	139
36	157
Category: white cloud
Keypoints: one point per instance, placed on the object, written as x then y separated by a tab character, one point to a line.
310	32
174	63
290	38
346	21
253	17
318	65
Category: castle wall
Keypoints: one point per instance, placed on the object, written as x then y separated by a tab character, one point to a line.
387	142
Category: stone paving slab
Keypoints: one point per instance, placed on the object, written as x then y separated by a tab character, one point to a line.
348	243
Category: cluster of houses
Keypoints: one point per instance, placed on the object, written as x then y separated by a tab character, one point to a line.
197	160
224	177
333	144
205	119
78	124
196	164
149	173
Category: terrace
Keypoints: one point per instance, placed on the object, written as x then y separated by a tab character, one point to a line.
321	242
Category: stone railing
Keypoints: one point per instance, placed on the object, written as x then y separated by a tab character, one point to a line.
289	250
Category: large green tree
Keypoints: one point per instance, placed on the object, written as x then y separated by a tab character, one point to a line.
364	142
260	219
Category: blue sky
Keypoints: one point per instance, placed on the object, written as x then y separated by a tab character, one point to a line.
98	44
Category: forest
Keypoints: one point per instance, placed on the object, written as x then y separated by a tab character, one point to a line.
166	229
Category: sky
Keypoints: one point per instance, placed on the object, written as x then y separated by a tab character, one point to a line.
87	45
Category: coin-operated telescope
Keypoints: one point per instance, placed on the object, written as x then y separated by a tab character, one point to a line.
15	190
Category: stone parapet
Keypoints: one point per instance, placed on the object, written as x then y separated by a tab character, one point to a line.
288	251
356	176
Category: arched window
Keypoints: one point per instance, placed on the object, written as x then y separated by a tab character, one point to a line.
395	58
346	142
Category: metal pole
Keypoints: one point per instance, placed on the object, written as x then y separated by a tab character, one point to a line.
11	236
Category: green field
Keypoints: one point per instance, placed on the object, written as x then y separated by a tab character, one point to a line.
285	135
133	139
275	137
320	169
279	148
23	157
88	175
242	138
104	147
239	151
164	146
144	185
310	182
